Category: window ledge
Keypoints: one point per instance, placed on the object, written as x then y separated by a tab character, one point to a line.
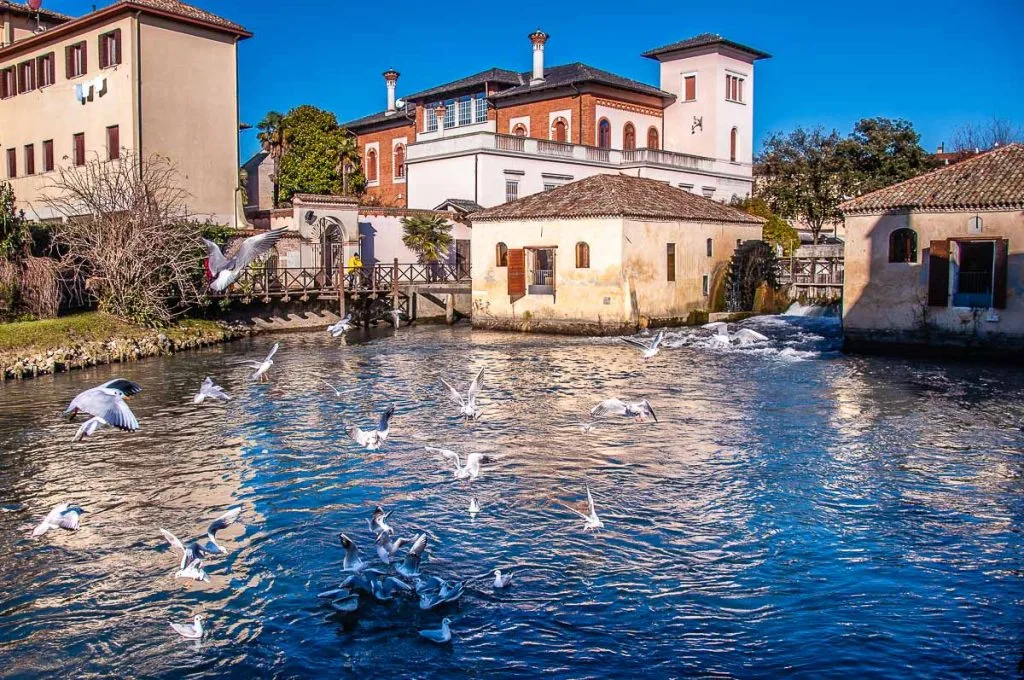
398	180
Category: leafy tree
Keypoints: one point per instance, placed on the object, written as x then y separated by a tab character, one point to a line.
776	230
882	151
13	229
429	236
313	161
348	167
274	137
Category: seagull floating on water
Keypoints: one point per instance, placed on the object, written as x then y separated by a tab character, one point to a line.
442	634
63	516
373	439
343	326
107	405
447	594
502	580
223	271
190	631
471	470
410	566
262	367
384	589
210	390
591	521
617	407
651	349
474	507
467	406
193	551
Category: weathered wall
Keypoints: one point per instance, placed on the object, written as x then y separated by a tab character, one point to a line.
887	302
381	232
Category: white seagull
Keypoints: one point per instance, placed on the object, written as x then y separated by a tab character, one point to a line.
722	336
190	631
262	367
471	470
474	507
396	316
746	336
106	404
591	521
223	271
650	350
63	516
339	329
193	551
210	390
386	548
372	439
442	634
467	406
616	407
720	331
410	566
502	580
379	522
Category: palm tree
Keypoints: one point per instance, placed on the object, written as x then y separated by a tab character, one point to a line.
429	236
348	162
274	138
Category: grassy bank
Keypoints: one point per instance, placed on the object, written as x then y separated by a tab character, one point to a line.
29	348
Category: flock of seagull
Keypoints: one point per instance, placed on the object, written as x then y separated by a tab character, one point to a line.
107	405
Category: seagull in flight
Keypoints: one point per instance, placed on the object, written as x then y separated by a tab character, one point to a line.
193	551
471	470
190	631
650	350
63	516
410	566
442	634
263	367
210	390
339	329
446	594
722	336
337	392
616	407
397	316
386	547
223	271
107	405
379	522
373	439
353	562
467	406
591	521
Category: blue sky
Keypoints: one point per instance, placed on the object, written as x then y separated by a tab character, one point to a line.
934	62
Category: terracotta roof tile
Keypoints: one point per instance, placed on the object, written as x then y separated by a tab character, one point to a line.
570	74
491	75
23	8
616	196
990	180
187	11
405	116
704	40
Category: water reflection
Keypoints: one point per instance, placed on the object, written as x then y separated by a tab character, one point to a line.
791	512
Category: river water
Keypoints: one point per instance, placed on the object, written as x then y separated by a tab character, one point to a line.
794	511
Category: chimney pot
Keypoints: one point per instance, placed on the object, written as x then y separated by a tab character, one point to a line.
391	78
538	38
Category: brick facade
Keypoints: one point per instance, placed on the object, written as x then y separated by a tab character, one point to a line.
389	190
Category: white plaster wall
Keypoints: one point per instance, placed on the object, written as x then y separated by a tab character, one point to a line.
618	119
431	182
513	122
381	239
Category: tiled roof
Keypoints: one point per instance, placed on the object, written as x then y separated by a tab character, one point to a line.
407	115
616	196
990	180
187	11
571	74
492	75
463	204
704	40
324	199
21	7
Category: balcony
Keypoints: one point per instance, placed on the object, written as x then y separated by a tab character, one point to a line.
474	142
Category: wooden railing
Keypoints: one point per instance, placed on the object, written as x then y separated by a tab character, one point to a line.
262	281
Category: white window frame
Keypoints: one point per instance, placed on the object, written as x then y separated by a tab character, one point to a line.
430	118
395	143
480	108
511	189
465	116
375	146
741	77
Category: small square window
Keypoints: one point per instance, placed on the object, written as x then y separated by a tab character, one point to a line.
705	285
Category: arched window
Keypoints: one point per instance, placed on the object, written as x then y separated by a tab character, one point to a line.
903	245
732	145
711	247
399	161
604	134
652	138
559	130
371	166
501	255
519	130
582	256
628	137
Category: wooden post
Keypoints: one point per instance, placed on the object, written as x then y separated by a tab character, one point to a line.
341	290
449	309
394	285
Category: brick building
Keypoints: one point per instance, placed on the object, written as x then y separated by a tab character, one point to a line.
499	135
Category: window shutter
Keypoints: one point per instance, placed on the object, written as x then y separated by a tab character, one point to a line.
938	274
117	45
999	279
68	72
51	64
103	39
516	272
554	271
85	60
691	88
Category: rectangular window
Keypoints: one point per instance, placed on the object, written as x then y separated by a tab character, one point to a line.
45	70
973	270
704	284
465	111
689	88
113	143
480	108
549	187
8	83
12	163
449	114
26	77
110	49
48	155
30	159
511	190
711	247
431	119
734	88
670	261
686	187
708	192
75	60
78	144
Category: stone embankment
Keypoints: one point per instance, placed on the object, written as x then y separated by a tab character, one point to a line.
18	364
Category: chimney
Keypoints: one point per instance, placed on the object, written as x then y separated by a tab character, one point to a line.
942	148
391	78
538	38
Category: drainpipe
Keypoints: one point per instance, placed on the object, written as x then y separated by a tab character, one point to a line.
579	120
138	83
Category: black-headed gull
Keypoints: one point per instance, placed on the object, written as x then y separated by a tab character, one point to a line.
722	336
591	521
617	407
107	405
442	634
373	439
474	507
378	522
447	594
410	566
193	551
384	589
471	470
651	349
63	516
387	546
210	390
339	329
467	405
190	631
262	367
223	271
502	580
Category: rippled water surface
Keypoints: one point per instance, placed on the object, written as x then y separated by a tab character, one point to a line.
793	512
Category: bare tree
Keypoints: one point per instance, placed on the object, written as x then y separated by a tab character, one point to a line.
127	233
972	137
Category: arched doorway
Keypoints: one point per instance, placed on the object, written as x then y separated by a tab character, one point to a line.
328	238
